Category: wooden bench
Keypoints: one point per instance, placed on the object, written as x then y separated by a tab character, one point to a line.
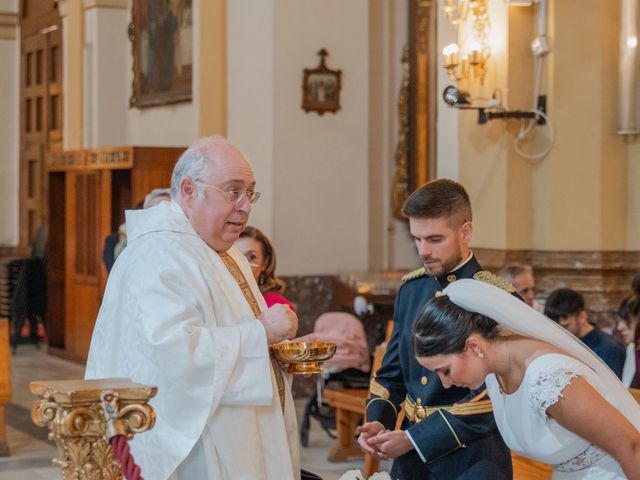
350	407
5	382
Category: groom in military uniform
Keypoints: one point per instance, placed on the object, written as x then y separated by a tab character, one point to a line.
447	433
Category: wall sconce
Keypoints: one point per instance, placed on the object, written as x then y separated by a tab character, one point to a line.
456	10
459	67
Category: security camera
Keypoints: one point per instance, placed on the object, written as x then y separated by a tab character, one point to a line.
454	97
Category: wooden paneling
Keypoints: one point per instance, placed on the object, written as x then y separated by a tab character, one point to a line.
527	469
56	262
40	109
91	189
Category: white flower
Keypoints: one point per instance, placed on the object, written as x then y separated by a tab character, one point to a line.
380	476
357	475
352	475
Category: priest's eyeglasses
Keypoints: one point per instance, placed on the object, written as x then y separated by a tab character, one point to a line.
236	196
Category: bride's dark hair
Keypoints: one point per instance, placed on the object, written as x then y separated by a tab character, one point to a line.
443	328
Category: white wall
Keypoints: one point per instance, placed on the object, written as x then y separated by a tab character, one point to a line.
169	125
250	87
312	170
9	149
106	91
401	254
320	185
447	129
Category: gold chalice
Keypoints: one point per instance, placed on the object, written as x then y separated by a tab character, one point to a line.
304	358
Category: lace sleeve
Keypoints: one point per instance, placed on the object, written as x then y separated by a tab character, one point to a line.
547	386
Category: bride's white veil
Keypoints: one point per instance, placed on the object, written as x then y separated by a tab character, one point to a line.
504	308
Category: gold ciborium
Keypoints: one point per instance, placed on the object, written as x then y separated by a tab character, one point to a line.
304	358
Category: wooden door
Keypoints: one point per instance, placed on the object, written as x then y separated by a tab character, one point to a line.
83	289
40	109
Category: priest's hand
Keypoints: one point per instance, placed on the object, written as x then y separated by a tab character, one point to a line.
280	323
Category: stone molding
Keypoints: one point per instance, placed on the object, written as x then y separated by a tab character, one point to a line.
63	8
9	26
112	4
603	277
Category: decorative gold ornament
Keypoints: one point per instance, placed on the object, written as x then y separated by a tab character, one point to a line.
304	358
83	414
460	66
401	183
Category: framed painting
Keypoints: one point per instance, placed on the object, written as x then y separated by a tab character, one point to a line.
415	153
161	35
321	88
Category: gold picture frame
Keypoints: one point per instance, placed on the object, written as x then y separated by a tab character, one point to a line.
414	155
161	35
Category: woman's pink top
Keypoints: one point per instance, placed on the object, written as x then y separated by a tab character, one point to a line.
272	298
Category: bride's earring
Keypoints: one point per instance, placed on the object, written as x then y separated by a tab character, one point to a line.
480	355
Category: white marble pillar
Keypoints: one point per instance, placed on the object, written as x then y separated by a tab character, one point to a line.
9	115
106	55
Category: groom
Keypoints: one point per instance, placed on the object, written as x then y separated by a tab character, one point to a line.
447	433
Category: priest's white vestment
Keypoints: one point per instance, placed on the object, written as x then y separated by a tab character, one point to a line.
173	316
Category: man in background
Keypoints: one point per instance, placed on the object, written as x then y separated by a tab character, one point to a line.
521	277
567	307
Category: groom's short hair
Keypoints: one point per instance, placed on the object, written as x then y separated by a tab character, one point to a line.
441	198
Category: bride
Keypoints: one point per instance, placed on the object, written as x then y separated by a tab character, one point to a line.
553	399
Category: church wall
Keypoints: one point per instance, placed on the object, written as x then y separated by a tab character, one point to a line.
105	83
9	115
403	254
483	168
169	125
633	188
250	80
321	172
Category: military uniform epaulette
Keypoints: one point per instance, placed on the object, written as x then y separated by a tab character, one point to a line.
496	281
420	272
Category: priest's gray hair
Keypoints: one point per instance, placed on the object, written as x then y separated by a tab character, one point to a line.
195	164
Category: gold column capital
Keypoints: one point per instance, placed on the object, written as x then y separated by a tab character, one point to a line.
83	414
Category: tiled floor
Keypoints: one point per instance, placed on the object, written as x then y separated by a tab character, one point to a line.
31	452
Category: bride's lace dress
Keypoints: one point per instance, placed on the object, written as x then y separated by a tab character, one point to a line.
527	429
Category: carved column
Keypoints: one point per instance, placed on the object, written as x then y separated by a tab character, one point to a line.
76	413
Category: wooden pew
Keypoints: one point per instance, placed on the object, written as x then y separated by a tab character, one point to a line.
527	469
5	382
350	407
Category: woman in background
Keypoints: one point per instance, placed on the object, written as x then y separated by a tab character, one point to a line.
257	248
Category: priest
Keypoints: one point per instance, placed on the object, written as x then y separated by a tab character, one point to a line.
182	311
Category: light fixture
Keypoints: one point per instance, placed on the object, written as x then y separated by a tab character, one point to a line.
454	97
460	66
456	10
457	68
